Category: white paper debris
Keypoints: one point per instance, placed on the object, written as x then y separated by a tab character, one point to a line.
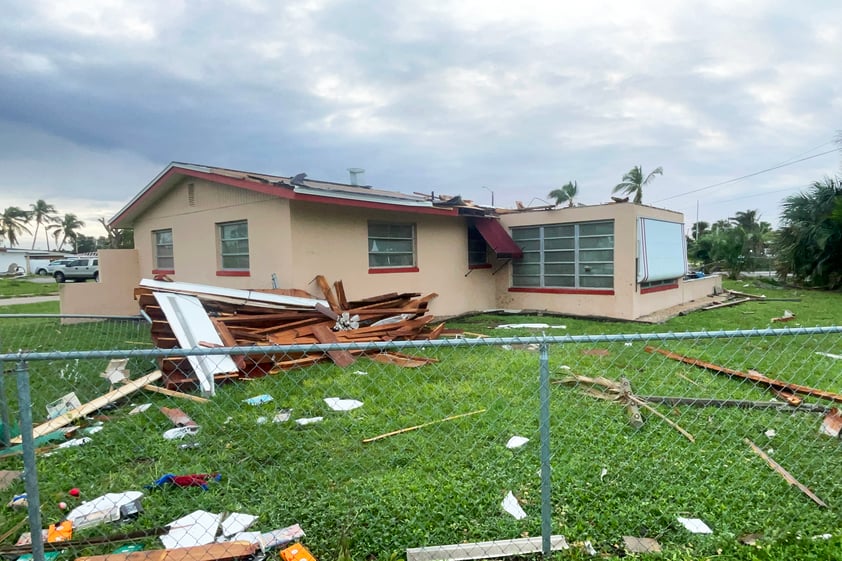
181	432
511	506
360	372
262	420
338	404
516	442
771	433
101	509
197	528
589	549
309	420
830	355
237	522
282	416
140	409
564	367
695	525
75	442
603	473
627	344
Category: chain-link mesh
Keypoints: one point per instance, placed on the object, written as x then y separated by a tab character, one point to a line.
390	454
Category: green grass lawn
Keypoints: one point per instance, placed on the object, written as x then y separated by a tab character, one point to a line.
444	483
12	288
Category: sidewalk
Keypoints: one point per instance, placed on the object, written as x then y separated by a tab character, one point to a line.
27	300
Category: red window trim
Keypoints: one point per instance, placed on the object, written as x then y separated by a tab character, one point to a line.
599	292
163	271
393	270
225	273
659	288
482	266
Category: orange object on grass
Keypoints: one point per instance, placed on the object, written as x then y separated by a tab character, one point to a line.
297	552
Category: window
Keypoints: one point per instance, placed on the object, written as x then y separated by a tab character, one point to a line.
234	245
163	254
575	256
477	249
391	245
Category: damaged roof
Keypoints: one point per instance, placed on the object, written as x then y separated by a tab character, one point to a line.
298	188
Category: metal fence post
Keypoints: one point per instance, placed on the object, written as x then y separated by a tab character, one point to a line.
4	408
30	473
544	428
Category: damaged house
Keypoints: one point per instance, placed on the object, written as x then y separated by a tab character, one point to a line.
239	229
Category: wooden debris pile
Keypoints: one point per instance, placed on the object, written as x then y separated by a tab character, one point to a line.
234	318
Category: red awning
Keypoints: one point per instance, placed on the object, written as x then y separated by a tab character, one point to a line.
497	237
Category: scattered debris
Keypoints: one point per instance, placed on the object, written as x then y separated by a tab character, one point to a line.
275	317
512	506
695	525
750	539
338	404
18	501
516	442
180	432
400	359
497	549
259	399
178	417
602	474
63	405
197	528
752	375
192	480
297	552
524	347
771	433
61	532
641	545
237	522
830	355
106	508
788	316
270	540
621	392
832	423
784	473
7	477
282	416
596	352
98	403
416	427
740	403
589	549
140	409
309	420
229	551
116	371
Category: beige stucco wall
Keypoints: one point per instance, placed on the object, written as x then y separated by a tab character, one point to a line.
195	253
113	295
626	302
333	241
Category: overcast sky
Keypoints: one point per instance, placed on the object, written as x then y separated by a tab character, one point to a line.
469	97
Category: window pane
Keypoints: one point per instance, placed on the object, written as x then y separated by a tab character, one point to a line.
596	269
527	269
559	281
235	261
559	256
559	231
391	245
234	245
559	269
560	243
526	281
519	234
596	228
597	242
596	255
596	282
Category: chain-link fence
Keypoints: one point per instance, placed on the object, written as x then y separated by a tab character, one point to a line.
689	440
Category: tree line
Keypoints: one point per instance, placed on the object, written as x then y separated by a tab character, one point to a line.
805	249
64	230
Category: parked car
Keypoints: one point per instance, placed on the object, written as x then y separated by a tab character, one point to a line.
53	266
83	268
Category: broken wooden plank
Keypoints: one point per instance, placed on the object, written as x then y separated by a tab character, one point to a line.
751	375
339	289
225	551
228	340
739	403
784	473
341	358
517	547
91	406
178	417
396	359
727	303
173	393
328	293
422	425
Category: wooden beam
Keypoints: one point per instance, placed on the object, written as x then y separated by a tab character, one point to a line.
784	473
173	393
325	335
328	293
517	547
226	551
751	375
91	406
416	427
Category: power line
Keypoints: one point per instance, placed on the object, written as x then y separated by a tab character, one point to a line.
747	176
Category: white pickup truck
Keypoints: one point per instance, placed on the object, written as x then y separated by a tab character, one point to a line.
80	268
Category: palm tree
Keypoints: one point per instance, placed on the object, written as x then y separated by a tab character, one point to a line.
566	194
13	223
42	213
634	182
809	242
66	229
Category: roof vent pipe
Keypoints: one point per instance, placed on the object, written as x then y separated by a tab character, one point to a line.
356	175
